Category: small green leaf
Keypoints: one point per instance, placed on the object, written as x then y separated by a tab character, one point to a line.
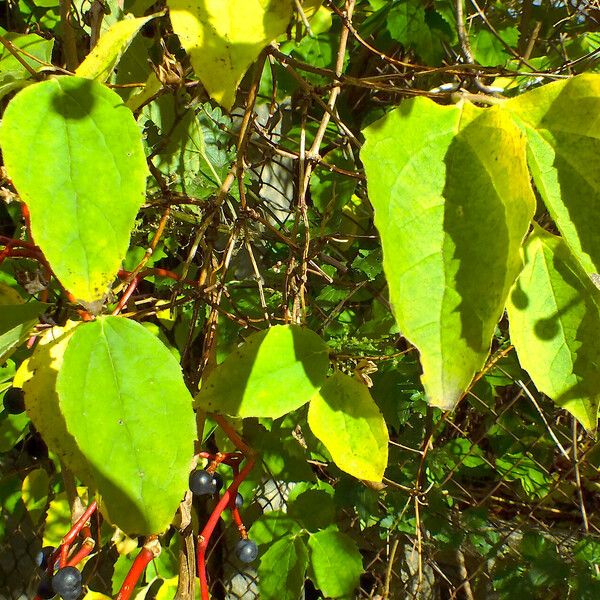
124	401
223	41
101	61
453	201
16	323
34	493
348	422
335	563
36	47
563	135
554	314
273	373
282	570
89	178
272	526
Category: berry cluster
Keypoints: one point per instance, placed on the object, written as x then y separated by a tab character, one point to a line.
66	582
207	482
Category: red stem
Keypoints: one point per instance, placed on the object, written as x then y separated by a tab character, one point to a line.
63	549
207	532
142	560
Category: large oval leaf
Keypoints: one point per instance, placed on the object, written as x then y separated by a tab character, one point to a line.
563	136
89	178
452	203
124	401
554	314
224	39
273	373
348	422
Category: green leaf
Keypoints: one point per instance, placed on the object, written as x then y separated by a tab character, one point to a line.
452	200
563	137
554	314
271	526
123	398
35	46
223	41
348	422
101	61
16	323
282	570
89	178
335	563
34	493
276	371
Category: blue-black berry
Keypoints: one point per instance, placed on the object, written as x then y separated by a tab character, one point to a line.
202	483
45	589
43	556
239	500
218	482
14	401
67	583
246	551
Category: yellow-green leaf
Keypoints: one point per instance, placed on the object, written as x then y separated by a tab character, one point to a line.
274	372
224	38
101	61
34	493
348	422
89	179
554	314
453	201
563	136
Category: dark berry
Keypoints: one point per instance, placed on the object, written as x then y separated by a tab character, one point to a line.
45	589
218	482
43	556
35	446
246	551
202	483
14	401
239	500
67	583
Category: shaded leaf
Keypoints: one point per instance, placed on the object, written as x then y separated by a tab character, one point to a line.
274	372
282	569
123	398
452	204
335	563
224	40
90	169
554	314
16	323
348	422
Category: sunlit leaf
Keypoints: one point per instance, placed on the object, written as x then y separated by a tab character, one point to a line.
101	61
563	136
452	200
274	372
348	422
554	314
90	175
282	569
224	39
123	398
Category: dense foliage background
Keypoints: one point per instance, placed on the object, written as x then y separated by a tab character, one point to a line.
256	213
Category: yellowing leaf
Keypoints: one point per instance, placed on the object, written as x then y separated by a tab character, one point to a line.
554	314
563	137
453	202
348	422
34	493
37	376
224	38
101	61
